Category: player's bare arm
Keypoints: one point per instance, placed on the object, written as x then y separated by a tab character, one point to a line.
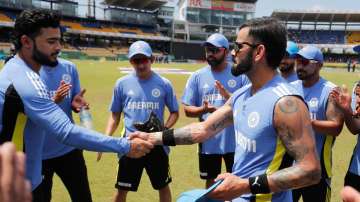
335	120
195	132
195	112
112	124
173	117
342	98
293	125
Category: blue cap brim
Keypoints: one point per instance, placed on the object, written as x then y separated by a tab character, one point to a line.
212	44
139	53
304	56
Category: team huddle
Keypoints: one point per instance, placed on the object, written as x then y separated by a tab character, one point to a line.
274	129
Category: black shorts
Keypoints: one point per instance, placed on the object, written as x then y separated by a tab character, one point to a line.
352	180
71	169
320	192
210	164
156	164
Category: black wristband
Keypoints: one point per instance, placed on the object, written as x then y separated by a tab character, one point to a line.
168	137
259	184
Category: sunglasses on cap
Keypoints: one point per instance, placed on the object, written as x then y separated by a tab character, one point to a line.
212	49
304	61
238	46
140	60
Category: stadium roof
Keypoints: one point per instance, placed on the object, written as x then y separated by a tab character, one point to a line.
317	15
138	4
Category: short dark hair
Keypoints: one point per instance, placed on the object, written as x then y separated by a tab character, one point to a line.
30	22
271	33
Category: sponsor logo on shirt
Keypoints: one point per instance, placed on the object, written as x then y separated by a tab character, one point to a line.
53	92
213	97
143	105
248	145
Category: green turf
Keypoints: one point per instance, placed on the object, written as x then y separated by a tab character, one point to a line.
99	78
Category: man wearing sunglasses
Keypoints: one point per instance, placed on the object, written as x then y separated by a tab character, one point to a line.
326	118
202	97
287	64
271	121
136	95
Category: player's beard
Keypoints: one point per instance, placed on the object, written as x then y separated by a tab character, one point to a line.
302	75
214	62
287	67
43	59
243	66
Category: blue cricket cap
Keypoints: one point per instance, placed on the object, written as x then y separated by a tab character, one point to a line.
140	47
311	53
291	48
217	40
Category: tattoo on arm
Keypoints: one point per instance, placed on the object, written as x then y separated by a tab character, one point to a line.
198	132
183	136
288	106
288	178
222	123
294	128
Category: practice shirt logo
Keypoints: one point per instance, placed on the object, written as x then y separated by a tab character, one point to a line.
155	92
253	119
231	83
66	78
313	103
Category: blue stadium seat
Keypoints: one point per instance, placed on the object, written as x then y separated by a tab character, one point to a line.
318	36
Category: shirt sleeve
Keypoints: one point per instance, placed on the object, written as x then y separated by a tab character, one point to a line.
116	101
190	94
45	113
170	98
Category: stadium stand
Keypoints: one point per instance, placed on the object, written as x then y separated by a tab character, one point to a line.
318	36
353	37
335	32
5	18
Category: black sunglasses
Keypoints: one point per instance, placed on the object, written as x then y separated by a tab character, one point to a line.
238	46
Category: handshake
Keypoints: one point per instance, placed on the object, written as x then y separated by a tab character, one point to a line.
141	143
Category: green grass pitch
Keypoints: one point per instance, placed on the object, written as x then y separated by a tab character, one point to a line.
99	78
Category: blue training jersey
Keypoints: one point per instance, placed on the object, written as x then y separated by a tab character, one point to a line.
354	167
200	87
259	150
52	76
316	98
27	111
136	98
292	77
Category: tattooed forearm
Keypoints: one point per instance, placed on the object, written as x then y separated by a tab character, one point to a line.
293	177
222	123
183	136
